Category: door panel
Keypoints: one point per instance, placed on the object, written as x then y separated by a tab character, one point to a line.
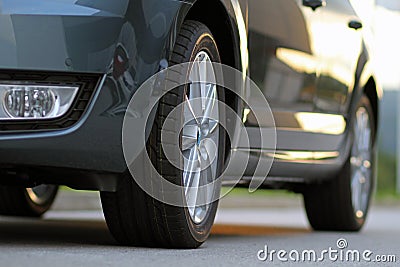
304	62
282	59
338	47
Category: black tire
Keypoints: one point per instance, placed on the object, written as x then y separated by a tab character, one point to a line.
18	201
329	205
133	216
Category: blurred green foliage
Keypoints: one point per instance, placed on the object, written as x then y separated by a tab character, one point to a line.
386	184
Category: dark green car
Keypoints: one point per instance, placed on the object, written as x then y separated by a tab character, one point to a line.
69	70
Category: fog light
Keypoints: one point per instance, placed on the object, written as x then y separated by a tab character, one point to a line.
35	102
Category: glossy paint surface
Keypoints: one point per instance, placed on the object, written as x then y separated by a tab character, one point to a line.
307	63
304	61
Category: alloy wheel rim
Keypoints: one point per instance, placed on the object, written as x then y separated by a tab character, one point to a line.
361	167
200	138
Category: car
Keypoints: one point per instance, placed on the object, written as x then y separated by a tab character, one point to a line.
70	69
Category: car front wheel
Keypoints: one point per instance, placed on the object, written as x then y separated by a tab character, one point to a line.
136	218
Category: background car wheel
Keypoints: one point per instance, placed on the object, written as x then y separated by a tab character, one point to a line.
28	202
342	203
134	217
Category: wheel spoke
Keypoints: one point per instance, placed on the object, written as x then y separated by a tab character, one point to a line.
362	130
208	152
356	193
203	80
213	124
195	90
209	101
192	170
194	77
191	111
204	195
365	172
189	136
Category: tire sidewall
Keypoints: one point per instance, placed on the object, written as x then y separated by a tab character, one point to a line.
365	103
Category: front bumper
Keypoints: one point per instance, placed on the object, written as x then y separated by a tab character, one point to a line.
88	38
92	143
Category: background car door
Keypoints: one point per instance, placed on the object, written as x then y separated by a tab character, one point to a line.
283	62
337	44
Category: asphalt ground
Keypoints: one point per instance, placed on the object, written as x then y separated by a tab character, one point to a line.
74	233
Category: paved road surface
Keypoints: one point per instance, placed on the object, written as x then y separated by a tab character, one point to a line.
70	237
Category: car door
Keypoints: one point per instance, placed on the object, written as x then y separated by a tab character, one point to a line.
282	60
338	45
302	56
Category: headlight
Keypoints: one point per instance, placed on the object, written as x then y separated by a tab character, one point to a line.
35	101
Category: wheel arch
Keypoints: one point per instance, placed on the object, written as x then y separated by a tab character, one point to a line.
370	90
226	23
220	18
370	86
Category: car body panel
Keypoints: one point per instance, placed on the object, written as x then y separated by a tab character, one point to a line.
74	38
308	65
87	37
126	41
